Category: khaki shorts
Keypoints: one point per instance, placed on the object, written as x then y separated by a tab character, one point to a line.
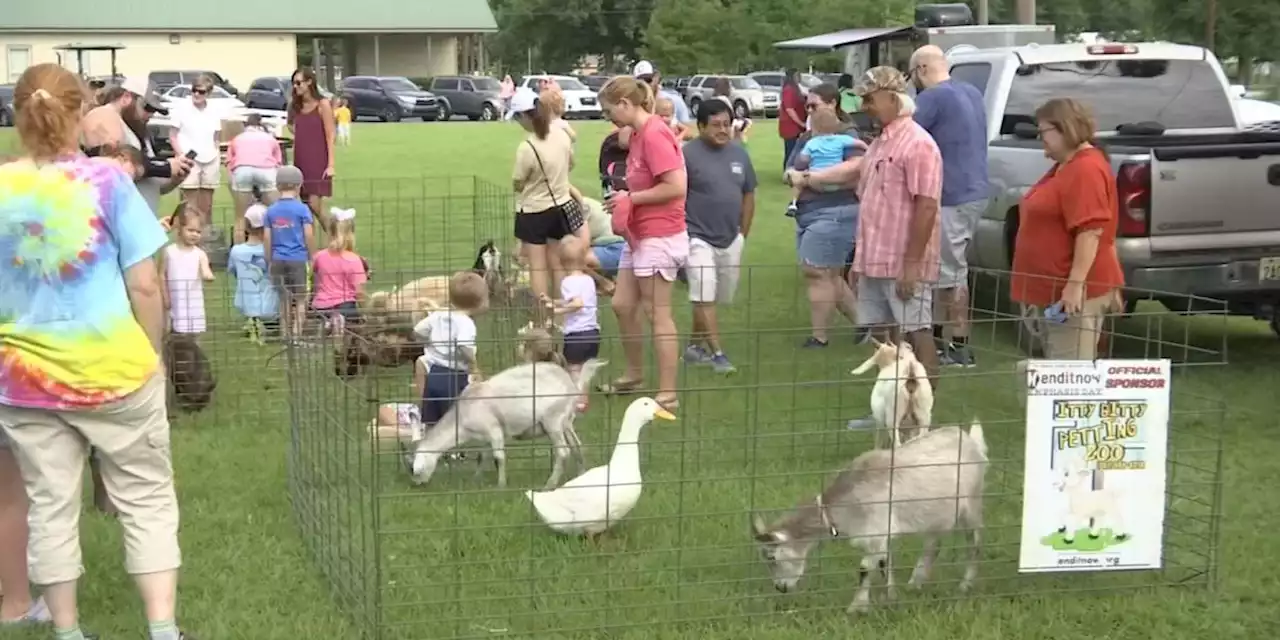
1077	338
713	272
879	305
132	441
204	175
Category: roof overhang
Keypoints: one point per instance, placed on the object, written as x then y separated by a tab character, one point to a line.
836	39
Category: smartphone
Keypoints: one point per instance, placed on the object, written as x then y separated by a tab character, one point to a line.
1055	314
191	155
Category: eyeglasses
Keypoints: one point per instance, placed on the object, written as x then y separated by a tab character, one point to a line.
1045	129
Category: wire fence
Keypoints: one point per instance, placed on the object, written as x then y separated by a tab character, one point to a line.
461	557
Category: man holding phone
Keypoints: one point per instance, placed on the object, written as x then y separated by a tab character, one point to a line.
195	136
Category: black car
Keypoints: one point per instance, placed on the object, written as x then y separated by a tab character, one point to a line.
389	98
162	81
594	82
272	93
6	105
476	97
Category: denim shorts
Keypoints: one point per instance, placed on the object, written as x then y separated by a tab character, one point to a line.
244	178
824	237
442	388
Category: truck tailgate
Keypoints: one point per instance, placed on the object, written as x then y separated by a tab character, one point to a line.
1215	188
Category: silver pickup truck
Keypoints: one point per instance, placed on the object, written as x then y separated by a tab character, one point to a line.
1199	198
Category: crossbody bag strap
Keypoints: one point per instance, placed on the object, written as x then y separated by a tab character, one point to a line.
545	178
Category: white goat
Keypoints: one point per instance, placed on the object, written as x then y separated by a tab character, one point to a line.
927	486
1086	506
902	394
525	401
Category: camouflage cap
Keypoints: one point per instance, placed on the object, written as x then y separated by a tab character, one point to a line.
880	79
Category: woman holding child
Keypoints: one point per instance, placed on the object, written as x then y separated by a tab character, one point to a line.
826	222
650	216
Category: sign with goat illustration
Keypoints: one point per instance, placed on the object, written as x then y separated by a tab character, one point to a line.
1096	442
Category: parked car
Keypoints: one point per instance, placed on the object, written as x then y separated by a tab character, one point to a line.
161	81
745	94
272	93
579	101
771	81
389	98
6	105
476	97
219	100
594	82
1196	194
682	85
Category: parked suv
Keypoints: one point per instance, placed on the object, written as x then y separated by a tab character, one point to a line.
162	81
476	97
6	105
272	93
389	98
745	94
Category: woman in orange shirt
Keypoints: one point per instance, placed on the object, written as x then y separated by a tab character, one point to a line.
1065	249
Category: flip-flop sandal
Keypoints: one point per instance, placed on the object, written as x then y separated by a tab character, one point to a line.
670	404
620	387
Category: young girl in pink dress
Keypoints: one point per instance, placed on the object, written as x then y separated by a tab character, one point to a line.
339	273
186	269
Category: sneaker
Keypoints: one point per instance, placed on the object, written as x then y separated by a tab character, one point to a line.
721	364
38	613
861	424
791	209
861	335
957	356
814	343
695	354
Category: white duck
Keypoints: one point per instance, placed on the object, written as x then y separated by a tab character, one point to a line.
600	497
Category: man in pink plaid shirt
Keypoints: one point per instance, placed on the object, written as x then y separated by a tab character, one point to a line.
900	186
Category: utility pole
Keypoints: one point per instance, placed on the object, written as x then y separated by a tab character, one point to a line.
1025	11
984	12
1210	23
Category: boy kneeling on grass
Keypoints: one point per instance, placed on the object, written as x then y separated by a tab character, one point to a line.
448	363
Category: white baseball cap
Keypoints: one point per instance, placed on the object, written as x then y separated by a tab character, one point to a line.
136	85
643	68
523	100
255	216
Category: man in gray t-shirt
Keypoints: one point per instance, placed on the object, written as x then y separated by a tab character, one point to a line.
719	207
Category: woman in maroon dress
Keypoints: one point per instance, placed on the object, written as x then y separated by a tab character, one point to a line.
311	120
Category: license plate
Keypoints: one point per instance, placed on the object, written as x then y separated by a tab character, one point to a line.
1268	269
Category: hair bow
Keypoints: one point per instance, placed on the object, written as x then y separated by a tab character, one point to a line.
342	214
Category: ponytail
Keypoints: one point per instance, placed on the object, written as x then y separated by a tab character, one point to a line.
48	101
630	89
541	117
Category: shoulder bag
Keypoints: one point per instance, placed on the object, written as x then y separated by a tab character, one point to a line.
571	210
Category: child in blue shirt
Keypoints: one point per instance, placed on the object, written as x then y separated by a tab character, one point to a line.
255	299
290	243
827	148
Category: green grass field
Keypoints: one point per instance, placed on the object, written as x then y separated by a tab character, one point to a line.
459	558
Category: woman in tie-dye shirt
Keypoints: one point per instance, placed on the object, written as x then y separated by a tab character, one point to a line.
81	322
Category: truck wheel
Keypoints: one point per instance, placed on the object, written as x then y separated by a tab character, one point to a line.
1275	324
740	110
488	113
390	113
445	113
693	106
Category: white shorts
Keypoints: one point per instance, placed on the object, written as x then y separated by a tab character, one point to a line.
204	175
244	179
344	130
957	224
713	272
879	305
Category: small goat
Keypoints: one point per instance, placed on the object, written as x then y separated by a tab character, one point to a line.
524	401
190	374
927	486
1086	506
902	394
538	345
417	298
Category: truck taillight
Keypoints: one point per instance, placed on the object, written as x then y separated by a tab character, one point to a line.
1111	49
1133	193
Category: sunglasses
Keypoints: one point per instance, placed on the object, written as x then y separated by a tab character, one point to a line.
199	91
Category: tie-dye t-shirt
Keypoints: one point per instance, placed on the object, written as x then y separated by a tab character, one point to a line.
68	232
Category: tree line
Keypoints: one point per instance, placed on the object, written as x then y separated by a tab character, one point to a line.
687	36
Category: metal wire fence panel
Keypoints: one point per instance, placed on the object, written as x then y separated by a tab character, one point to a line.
462	557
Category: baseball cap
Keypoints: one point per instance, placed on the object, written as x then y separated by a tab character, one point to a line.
141	87
880	79
289	176
255	215
643	68
523	100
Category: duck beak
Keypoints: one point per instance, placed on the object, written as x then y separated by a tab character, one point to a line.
664	414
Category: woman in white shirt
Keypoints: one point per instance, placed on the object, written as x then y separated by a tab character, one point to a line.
544	198
195	131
